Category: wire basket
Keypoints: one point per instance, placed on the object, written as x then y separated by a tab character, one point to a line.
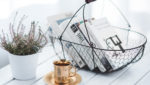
118	56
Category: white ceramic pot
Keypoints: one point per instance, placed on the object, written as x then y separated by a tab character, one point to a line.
23	67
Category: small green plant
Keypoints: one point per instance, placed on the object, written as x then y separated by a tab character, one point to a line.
18	42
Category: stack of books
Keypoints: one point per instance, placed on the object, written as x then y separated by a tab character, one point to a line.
83	49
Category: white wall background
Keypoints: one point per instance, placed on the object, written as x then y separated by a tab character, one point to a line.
7	6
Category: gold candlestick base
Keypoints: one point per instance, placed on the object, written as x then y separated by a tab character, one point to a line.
50	80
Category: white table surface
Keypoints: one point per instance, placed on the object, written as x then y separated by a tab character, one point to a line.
135	74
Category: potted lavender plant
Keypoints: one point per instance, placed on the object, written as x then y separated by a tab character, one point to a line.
23	49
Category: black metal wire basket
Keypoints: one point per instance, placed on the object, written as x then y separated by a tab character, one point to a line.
128	49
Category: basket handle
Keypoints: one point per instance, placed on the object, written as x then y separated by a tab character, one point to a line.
89	1
121	13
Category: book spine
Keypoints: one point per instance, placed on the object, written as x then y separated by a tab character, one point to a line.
82	52
73	54
104	58
69	48
87	54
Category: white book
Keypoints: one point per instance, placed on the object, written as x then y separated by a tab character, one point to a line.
54	22
102	30
58	29
80	50
69	48
99	57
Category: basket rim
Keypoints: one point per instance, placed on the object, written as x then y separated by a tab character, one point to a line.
130	30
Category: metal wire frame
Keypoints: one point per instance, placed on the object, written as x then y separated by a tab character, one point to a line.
142	46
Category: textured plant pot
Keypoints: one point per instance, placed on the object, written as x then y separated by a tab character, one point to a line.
23	67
